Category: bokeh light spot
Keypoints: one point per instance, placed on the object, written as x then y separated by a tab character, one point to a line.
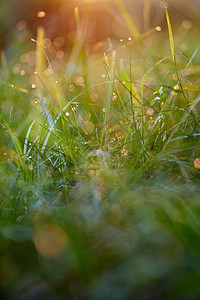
50	240
187	24
79	81
164	4
41	14
21	25
197	163
58	42
22	73
150	111
46	43
60	54
94	97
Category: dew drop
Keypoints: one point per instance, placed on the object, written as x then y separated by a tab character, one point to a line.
158	28
176	87
71	88
22	73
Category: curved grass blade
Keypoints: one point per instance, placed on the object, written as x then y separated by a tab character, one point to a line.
17	146
28	133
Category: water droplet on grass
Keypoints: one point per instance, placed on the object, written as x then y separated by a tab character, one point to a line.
71	88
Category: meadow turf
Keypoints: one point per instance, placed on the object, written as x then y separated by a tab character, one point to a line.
100	168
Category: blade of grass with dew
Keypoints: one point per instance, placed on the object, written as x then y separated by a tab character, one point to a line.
28	133
17	146
152	132
109	95
56	84
130	78
192	105
142	90
46	111
191	59
191	87
119	96
124	77
134	94
175	128
52	126
22	90
171	39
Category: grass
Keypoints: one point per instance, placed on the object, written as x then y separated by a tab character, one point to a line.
100	171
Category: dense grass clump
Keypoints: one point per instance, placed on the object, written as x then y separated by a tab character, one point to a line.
100	171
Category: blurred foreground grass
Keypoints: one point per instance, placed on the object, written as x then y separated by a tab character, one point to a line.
100	168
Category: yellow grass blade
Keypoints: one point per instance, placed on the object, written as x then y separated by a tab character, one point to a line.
16	88
77	19
146	13
40	59
4	64
132	27
171	39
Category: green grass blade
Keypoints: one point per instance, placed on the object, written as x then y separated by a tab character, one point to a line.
109	95
18	147
191	59
28	134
